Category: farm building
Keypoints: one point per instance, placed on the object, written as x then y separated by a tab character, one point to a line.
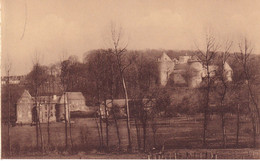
120	106
24	108
48	108
47	105
73	101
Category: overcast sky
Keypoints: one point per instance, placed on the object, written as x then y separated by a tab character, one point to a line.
55	26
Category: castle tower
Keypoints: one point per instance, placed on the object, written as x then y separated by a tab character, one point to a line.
166	67
228	72
196	73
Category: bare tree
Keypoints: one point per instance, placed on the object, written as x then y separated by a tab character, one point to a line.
118	49
71	139
222	74
37	77
244	58
104	84
94	65
114	109
207	56
51	91
63	77
8	68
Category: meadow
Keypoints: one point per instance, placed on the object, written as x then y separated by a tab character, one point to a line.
182	133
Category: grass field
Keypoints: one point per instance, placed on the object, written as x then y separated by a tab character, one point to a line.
177	134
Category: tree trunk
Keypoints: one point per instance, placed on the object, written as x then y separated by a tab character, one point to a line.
9	117
238	115
144	135
71	140
253	121
112	105
128	114
206	107
100	114
254	131
66	123
204	126
144	138
117	130
101	127
40	130
107	136
36	126
48	127
254	128
138	135
223	129
99	136
154	138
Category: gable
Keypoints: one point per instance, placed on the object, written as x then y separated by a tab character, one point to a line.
25	97
164	57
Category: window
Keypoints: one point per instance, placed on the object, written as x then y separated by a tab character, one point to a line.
46	114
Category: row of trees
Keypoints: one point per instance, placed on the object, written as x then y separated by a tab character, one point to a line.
229	96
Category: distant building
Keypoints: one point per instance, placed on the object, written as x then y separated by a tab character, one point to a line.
13	79
187	70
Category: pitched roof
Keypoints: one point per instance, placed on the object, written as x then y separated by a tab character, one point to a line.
121	102
75	95
48	99
227	67
164	57
25	94
72	96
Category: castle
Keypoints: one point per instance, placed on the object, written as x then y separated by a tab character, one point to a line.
187	70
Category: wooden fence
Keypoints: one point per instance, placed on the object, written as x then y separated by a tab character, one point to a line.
187	155
245	154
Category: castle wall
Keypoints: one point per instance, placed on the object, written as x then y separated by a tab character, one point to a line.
165	68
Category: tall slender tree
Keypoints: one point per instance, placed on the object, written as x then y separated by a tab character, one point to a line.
207	56
8	67
244	58
223	75
118	49
36	79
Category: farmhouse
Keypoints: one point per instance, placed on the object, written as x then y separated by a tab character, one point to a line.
25	108
48	108
47	105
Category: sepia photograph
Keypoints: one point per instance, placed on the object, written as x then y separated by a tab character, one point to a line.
130	79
